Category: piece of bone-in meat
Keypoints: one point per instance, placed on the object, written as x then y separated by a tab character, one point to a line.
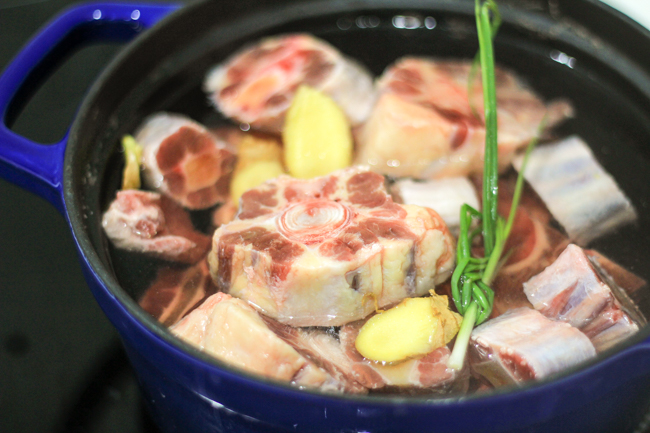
256	85
523	344
445	196
323	348
153	224
328	251
232	331
574	289
174	292
569	289
427	372
340	358
579	193
610	327
423	124
185	161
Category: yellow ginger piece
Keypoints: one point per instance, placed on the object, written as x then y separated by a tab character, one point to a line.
317	136
411	328
259	160
255	147
450	319
414	327
132	158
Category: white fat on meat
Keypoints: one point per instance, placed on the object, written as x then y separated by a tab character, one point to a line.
232	331
151	223
445	196
340	358
574	289
256	85
185	161
523	344
578	192
423	124
330	250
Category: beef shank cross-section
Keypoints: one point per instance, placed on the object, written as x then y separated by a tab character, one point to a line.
328	251
424	123
185	161
256	85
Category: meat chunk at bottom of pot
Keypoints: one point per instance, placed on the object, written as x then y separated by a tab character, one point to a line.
232	331
523	344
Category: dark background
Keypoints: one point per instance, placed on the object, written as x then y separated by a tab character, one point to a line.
62	368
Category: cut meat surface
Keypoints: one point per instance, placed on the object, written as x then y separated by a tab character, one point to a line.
575	290
423	124
232	331
257	85
153	224
610	327
175	292
569	289
185	161
328	251
523	344
627	280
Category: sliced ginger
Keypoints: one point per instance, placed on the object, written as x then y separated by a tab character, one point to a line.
450	319
317	136
414	327
259	160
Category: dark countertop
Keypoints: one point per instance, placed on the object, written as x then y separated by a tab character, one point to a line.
61	364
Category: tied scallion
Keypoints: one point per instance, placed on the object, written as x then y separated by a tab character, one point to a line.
470	282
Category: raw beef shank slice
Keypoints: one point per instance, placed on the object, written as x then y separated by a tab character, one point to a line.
185	161
256	85
328	251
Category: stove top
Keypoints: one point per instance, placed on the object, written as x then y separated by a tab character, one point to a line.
62	367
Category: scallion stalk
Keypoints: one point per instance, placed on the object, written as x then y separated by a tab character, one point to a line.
470	282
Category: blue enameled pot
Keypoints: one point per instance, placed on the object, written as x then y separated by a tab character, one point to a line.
163	67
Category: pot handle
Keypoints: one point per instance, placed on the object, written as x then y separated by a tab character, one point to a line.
36	167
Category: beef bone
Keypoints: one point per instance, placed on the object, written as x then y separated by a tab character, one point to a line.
151	223
328	251
576	290
232	331
523	344
185	161
426	124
